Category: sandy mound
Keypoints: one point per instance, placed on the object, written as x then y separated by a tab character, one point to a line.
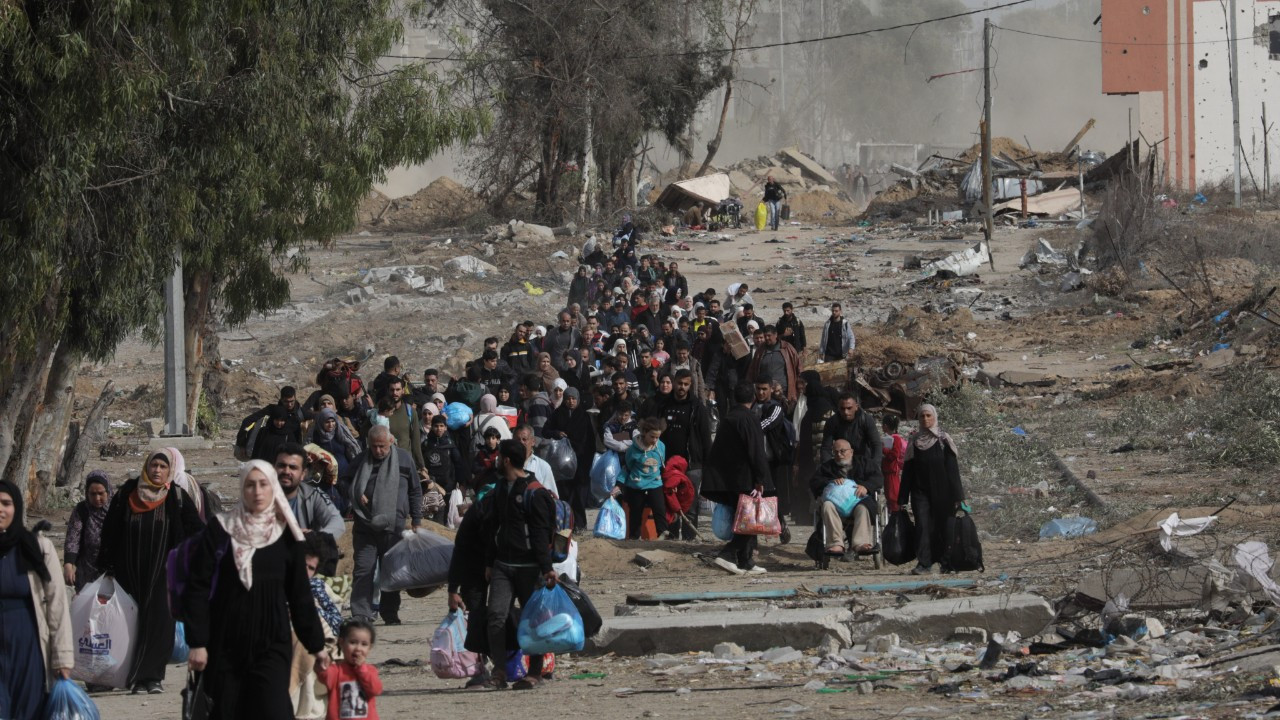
371	208
821	206
999	146
444	202
916	324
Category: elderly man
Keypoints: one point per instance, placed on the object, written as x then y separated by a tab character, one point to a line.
384	493
862	431
840	469
534	465
311	505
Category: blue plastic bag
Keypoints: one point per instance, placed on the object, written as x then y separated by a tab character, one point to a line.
456	415
722	522
515	666
1068	528
605	472
844	496
550	623
180	649
68	701
611	523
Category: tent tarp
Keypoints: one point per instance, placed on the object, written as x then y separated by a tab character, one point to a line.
1050	204
708	189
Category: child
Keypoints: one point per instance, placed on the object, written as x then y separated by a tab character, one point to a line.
486	457
895	451
618	430
352	683
641	481
382	416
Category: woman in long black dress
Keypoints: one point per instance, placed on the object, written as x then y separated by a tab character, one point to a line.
248	584
84	532
148	517
931	478
35	625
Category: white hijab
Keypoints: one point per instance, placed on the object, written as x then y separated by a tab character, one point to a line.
251	531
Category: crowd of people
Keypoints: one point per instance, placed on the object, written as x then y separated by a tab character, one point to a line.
697	396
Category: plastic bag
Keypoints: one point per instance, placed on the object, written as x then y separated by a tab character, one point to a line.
560	456
455	508
456	415
67	701
757	516
448	657
611	523
965	551
844	496
605	472
569	566
722	522
419	560
517	665
762	216
180	649
898	541
591	620
549	623
104	620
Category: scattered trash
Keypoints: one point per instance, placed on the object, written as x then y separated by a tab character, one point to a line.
1068	528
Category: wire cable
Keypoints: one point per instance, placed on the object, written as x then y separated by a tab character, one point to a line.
1123	42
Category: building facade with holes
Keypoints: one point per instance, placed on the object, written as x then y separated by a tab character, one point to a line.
1174	55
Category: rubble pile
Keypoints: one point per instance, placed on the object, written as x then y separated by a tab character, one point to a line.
442	203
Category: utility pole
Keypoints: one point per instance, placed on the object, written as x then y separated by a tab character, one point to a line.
988	224
1235	97
175	363
782	56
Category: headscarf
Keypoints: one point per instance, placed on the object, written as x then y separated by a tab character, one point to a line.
574	393
550	375
179	476
488	403
149	494
251	531
320	402
923	439
558	383
18	536
812	384
350	447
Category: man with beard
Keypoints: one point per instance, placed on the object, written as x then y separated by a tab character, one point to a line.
688	433
384	493
840	469
404	425
311	505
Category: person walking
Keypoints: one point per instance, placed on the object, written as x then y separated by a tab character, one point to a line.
83	543
774	194
736	465
385	492
931	480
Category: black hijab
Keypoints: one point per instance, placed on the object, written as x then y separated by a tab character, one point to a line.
18	536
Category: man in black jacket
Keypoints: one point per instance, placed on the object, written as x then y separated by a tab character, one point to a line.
859	427
688	430
779	448
790	329
842	468
737	466
518	559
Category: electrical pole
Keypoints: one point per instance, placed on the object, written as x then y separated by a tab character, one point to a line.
988	224
175	362
1235	98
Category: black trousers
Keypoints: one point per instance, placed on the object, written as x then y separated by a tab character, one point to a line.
740	550
781	474
695	477
637	501
931	529
507	584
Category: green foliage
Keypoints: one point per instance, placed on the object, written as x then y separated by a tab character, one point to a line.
208	423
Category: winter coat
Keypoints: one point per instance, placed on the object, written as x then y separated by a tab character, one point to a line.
736	462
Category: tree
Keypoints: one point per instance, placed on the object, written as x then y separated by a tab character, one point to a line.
733	23
552	69
229	131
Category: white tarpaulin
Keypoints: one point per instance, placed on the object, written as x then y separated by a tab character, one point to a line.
1175	527
1255	559
965	262
708	189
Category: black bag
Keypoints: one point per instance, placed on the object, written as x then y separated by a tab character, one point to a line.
965	550
196	704
591	621
898	541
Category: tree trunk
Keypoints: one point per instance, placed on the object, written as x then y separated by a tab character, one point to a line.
41	458
19	391
81	444
196	302
714	144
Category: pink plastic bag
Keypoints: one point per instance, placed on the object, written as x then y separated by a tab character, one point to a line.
757	516
448	658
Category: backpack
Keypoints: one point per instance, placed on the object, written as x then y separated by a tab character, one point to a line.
247	435
965	550
780	443
563	530
177	571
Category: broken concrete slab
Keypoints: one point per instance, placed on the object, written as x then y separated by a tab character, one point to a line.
649	558
521	231
809	166
958	264
1024	613
469	264
1148	589
1027	378
693	632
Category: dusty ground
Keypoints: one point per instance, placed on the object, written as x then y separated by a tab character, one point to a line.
1016	317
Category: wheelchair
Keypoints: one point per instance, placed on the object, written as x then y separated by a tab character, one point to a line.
878	521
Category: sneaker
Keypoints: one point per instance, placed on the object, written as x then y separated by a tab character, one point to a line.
729	567
756	570
155	688
785	537
921	570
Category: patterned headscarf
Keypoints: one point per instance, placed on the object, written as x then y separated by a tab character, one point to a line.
251	531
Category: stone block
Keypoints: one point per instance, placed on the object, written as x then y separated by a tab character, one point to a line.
649	558
696	632
1024	613
469	264
153	426
182	442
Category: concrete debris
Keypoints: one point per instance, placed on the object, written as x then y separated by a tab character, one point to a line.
959	264
469	264
694	631
1024	613
649	558
1043	254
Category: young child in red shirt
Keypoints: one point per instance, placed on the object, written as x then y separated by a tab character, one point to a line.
353	684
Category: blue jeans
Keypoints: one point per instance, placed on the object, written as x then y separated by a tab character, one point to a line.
775	212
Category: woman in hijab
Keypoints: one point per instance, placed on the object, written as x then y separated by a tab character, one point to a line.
547	372
488	418
557	392
331	434
813	409
931	479
206	504
275	433
570	420
36	645
247	589
146	519
84	532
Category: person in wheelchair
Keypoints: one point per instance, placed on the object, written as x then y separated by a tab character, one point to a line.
857	529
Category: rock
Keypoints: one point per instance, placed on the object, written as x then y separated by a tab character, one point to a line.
1027	378
972	635
435	286
1025	613
830	645
520	231
883	643
649	558
728	650
781	655
416	282
568	229
469	264
1155	628
689	632
865	688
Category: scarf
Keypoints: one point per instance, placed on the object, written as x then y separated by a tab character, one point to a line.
184	480
550	375
250	531
924	439
488	403
19	537
340	430
96	516
380	512
149	494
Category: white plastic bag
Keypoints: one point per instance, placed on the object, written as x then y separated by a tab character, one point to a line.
570	565
104	620
420	560
455	509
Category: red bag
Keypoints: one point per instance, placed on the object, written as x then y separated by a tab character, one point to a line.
757	516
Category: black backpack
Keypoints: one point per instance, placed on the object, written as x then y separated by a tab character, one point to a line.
965	551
